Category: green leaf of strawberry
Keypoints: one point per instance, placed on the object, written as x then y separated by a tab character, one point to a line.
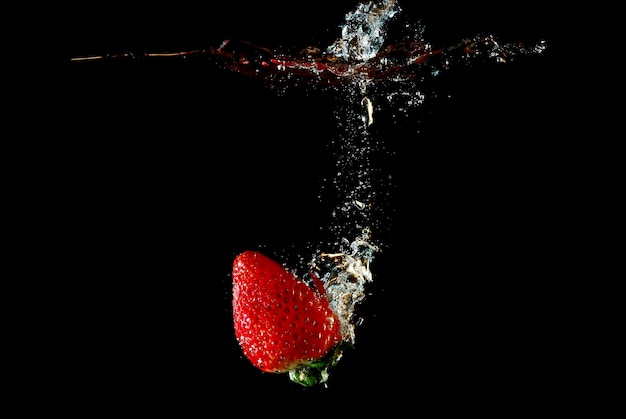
281	323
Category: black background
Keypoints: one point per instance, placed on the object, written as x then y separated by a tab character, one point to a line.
165	170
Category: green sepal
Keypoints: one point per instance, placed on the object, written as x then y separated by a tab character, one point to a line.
316	372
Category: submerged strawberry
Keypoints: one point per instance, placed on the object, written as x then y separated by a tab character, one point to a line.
281	323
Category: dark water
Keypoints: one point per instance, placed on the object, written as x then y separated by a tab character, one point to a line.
168	169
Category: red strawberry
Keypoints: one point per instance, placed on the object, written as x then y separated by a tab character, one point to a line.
281	323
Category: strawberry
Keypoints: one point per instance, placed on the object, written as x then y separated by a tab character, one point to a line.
282	324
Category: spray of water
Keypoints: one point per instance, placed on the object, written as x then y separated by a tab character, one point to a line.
363	33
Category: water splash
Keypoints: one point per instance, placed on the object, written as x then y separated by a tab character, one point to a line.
372	62
363	34
379	71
